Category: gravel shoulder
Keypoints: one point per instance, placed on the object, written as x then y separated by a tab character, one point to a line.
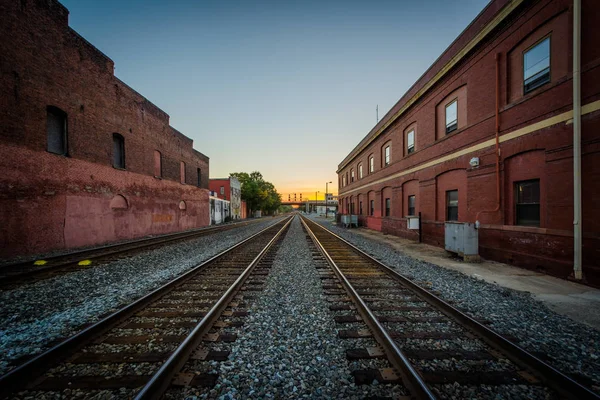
569	346
34	316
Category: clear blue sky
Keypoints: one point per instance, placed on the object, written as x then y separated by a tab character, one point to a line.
285	88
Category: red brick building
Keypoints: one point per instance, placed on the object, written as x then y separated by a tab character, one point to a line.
229	189
508	75
85	159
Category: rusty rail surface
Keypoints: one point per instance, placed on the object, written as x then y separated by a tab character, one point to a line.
221	268
535	370
27	271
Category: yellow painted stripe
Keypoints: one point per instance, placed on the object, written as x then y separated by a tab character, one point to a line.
85	263
40	262
557	119
505	12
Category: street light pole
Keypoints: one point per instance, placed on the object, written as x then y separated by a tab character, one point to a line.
316	201
326	191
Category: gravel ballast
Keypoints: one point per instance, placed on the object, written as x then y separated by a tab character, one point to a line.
35	315
571	347
288	346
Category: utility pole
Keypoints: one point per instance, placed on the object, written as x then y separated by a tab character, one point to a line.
326	200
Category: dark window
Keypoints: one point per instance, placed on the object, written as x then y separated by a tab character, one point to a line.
528	202
199	183
352	207
118	151
372	210
351	175
387	207
536	66
411	205
452	116
452	205
360	209
410	142
56	129
157	164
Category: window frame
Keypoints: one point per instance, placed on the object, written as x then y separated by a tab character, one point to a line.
549	68
388	206
453	127
371	208
352	175
414	200
58	113
118	137
344	180
448	206
360	207
410	149
517	204
360	171
371	164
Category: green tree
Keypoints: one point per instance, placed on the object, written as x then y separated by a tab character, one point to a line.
258	193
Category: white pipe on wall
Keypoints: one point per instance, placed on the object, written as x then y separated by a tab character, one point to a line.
577	231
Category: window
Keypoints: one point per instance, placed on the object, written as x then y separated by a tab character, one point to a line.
411	205
343	180
527	203
351	207
56	130
387	155
360	172
387	207
199	175
410	142
372	210
118	151
222	189
182	172
536	66
371	164
351	175
452	205
360	209
451	117
157	164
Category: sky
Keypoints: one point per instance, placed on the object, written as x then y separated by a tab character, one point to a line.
287	88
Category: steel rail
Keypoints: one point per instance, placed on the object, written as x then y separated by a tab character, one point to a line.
410	376
161	380
555	379
60	261
34	367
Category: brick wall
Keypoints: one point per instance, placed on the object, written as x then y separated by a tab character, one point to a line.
53	201
441	162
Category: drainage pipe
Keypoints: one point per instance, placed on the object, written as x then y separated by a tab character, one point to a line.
577	256
497	130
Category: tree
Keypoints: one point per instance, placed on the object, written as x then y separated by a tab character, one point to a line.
258	193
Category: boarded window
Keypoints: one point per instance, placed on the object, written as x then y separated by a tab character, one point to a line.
157	164
182	172
118	151
56	129
527	202
411	205
452	205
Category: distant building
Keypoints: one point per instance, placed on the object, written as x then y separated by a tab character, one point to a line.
229	189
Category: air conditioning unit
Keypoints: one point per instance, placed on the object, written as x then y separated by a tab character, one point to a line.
462	238
412	222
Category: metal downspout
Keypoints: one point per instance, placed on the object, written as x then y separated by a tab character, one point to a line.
577	256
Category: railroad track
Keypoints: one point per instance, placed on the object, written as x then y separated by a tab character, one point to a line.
12	275
434	350
140	349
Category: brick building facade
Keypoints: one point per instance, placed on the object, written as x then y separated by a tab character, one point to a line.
509	72
229	189
85	158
